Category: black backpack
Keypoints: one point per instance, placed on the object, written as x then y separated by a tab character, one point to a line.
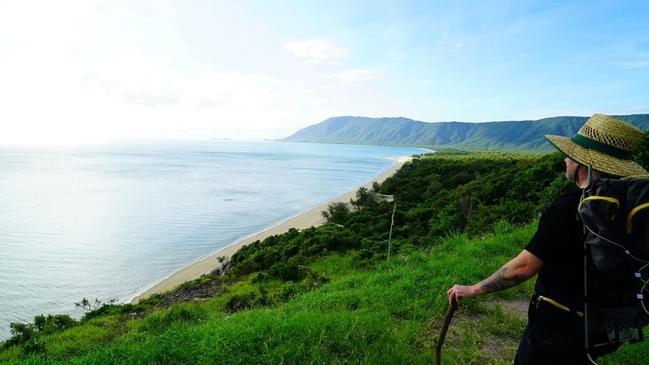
615	214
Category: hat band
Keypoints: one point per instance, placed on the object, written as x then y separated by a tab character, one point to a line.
601	147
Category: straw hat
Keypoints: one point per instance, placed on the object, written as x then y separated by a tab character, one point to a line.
606	143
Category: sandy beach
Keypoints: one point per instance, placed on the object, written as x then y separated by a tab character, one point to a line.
312	217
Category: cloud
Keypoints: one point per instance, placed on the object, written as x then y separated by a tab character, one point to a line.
135	77
125	93
451	42
632	65
357	76
316	50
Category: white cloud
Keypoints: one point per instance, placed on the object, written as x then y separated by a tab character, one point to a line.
632	65
451	41
133	76
316	50
355	76
128	94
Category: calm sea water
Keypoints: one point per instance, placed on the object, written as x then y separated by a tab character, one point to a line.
108	221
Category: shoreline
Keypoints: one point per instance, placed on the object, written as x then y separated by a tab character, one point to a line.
311	217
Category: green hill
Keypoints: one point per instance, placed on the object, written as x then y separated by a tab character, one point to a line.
329	295
509	135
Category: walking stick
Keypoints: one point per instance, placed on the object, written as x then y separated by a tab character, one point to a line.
442	333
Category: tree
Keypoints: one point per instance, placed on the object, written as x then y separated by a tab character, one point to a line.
336	213
364	198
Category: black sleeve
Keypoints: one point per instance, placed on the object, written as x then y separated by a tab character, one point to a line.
554	230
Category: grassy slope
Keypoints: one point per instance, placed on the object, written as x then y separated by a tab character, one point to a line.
384	315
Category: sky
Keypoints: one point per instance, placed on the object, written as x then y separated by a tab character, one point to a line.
95	71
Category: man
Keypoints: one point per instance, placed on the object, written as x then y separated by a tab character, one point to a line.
555	330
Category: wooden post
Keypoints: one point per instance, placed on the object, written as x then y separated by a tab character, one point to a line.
391	225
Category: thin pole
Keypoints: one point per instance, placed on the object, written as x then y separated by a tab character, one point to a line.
391	225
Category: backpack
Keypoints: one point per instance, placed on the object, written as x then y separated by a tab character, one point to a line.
615	214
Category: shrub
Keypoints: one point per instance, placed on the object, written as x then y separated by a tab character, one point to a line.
56	323
337	212
239	302
25	335
287	271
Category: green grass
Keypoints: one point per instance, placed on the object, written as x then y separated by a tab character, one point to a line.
384	315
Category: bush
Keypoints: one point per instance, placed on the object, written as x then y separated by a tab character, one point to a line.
287	271
56	323
337	212
25	335
298	247
239	302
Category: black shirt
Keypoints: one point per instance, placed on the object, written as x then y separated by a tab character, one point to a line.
558	243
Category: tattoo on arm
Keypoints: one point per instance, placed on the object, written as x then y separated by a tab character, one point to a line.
497	281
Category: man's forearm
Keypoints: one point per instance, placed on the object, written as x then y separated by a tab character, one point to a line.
502	279
516	271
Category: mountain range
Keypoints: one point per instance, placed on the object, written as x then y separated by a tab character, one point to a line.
504	135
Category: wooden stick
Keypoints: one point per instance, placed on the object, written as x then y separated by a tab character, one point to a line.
442	333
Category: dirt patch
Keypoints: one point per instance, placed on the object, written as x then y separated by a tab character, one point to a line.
194	292
516	307
495	347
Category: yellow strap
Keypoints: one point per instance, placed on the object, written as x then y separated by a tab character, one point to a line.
597	197
629	219
559	305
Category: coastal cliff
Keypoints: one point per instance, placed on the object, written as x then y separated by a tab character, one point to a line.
329	294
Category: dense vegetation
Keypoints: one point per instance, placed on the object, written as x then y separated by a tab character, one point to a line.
329	294
510	135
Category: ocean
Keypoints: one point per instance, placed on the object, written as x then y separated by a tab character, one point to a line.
108	221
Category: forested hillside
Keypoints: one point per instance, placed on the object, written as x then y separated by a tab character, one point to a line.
330	294
509	135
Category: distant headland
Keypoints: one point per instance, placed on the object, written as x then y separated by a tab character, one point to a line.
523	135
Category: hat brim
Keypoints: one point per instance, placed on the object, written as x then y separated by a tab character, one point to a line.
599	161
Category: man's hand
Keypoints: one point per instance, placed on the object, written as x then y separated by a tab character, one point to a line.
458	291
